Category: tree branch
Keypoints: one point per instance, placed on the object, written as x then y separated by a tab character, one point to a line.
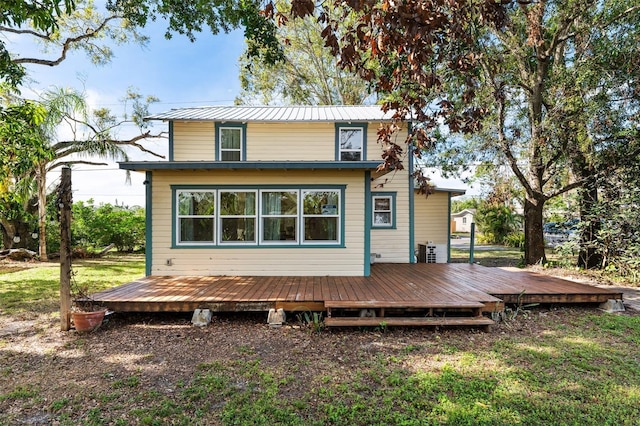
68	43
45	36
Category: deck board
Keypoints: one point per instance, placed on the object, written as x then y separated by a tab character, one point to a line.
455	285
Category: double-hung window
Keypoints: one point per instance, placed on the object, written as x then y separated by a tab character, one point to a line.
383	214
321	216
237	217
196	217
230	142
279	217
350	142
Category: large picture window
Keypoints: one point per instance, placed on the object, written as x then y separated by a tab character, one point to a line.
196	216
260	217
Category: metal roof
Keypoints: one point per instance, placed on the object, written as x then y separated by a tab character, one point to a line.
333	113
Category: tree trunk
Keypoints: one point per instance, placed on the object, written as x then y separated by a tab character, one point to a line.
42	212
533	232
589	256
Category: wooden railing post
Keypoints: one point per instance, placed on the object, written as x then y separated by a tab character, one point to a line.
64	204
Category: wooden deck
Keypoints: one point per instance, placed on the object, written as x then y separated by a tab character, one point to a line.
449	287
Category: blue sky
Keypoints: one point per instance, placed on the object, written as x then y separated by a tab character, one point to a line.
180	73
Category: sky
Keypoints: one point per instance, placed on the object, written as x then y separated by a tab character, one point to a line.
178	72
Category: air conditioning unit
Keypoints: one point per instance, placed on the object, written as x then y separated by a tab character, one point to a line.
432	253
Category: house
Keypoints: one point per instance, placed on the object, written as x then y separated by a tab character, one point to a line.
284	191
461	221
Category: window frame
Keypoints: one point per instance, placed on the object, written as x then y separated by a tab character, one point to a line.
260	242
254	216
338	215
392	210
176	234
219	127
351	126
262	216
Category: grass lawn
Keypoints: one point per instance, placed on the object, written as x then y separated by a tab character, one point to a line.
553	365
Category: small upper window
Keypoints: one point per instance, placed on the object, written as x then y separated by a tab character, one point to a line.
230	144
351	143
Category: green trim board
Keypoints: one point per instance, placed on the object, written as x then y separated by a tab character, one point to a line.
412	214
148	230
348	125
243	138
368	210
449	229
171	141
392	196
249	165
258	243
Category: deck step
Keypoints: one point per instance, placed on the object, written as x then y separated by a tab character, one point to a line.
400	304
478	321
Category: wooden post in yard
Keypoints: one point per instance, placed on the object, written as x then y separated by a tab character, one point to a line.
64	204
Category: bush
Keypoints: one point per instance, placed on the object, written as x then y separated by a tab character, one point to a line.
515	240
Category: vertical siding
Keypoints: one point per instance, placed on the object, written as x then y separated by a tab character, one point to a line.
194	141
432	221
347	261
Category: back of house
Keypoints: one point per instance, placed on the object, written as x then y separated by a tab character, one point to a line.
284	191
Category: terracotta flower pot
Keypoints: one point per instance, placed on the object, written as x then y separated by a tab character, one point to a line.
87	321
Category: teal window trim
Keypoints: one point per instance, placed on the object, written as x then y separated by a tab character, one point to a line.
346	125
449	228
148	234
243	138
260	244
367	223
392	197
170	140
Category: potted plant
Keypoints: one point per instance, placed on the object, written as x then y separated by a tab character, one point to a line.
86	314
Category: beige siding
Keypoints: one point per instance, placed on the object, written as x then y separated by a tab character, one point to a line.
258	261
392	245
432	222
195	141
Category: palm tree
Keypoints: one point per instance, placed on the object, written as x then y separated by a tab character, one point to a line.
91	137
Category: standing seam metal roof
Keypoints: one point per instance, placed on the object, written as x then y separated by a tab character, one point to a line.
276	114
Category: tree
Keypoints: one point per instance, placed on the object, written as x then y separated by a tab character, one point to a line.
307	75
78	26
92	137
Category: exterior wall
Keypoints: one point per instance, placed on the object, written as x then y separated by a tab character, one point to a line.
432	222
195	141
392	245
298	261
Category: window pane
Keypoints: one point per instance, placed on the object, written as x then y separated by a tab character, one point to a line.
320	229
237	203
350	156
230	138
280	203
196	230
382	218
279	229
321	202
238	229
382	204
230	155
196	203
351	139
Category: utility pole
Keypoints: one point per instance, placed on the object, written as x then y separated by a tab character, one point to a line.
64	204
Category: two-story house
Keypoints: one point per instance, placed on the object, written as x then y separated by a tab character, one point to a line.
283	191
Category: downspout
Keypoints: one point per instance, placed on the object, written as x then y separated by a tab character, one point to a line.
367	223
148	224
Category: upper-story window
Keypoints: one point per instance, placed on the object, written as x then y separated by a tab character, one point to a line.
350	142
230	142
